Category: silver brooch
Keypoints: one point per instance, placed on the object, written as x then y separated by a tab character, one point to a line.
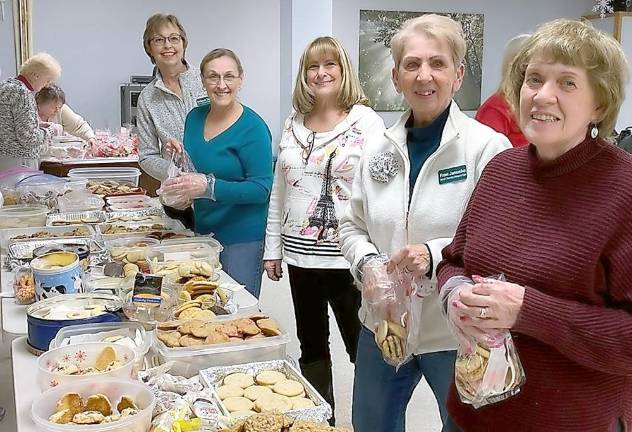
383	167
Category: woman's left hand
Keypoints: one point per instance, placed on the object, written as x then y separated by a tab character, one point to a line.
489	304
412	259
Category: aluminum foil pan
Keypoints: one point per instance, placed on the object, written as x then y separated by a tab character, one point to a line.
76	218
143	215
321	412
23	250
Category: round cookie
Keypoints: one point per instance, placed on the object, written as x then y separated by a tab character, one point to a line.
239	379
239	403
288	388
227	391
256	391
273	402
301	402
269	377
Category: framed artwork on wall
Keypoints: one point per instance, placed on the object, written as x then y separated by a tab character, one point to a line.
376	30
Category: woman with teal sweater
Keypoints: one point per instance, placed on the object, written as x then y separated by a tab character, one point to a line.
230	146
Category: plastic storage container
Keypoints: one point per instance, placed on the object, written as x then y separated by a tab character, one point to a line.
189	361
97	332
131	202
23	216
183	252
82	355
79	200
44	405
119	175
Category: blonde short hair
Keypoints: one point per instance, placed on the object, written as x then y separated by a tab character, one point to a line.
511	50
350	93
218	53
434	26
41	64
156	21
577	44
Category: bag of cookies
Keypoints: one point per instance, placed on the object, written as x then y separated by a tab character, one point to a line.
387	297
485	372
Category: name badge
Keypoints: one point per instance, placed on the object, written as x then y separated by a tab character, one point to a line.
452	174
202	101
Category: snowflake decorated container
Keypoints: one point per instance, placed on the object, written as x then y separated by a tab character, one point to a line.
82	355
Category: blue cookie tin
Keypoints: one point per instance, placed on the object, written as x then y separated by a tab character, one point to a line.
46	317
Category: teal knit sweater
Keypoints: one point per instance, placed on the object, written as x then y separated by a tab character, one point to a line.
240	158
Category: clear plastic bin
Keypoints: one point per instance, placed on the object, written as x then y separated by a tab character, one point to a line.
97	332
79	200
23	216
182	252
44	405
189	361
119	175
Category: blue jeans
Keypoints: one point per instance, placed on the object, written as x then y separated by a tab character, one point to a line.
244	263
381	395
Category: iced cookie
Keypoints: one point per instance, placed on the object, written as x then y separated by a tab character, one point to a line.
269	377
256	391
239	403
288	388
229	390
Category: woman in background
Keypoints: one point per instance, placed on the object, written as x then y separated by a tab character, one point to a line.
320	148
52	108
164	104
230	147
495	112
21	135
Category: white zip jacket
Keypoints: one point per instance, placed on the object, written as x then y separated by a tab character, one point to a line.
311	192
379	219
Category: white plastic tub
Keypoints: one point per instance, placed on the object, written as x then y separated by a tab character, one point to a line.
120	175
44	405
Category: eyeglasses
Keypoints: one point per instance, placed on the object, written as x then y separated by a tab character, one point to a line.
173	39
214	79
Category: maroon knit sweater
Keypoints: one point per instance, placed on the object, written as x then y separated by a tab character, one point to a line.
562	229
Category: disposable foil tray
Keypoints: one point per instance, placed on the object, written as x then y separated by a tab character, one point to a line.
76	218
144	215
321	412
23	250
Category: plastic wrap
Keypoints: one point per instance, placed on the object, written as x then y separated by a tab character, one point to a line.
484	372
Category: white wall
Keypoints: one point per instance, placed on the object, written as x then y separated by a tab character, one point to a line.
7	41
99	45
503	19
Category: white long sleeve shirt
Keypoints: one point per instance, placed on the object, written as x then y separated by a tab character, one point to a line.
379	218
312	187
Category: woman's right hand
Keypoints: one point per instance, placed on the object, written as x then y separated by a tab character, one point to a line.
273	269
173	146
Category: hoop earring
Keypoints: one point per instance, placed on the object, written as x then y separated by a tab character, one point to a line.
594	131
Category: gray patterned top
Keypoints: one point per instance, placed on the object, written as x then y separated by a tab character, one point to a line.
161	116
20	134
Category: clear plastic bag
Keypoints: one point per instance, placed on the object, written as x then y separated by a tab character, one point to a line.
484	372
387	296
180	164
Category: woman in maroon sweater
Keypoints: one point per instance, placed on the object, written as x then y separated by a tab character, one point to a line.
555	217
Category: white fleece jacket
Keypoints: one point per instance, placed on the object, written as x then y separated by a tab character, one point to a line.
294	232
380	220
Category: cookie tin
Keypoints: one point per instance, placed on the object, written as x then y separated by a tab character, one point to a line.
45	318
56	273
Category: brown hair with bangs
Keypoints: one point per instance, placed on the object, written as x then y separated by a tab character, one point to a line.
577	44
350	93
151	29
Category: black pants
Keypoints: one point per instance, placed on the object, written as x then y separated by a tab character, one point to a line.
184	216
312	291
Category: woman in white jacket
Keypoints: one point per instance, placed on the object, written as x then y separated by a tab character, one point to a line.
412	185
321	145
52	108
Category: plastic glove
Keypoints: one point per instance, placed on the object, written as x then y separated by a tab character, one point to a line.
411	259
173	146
54	128
179	192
